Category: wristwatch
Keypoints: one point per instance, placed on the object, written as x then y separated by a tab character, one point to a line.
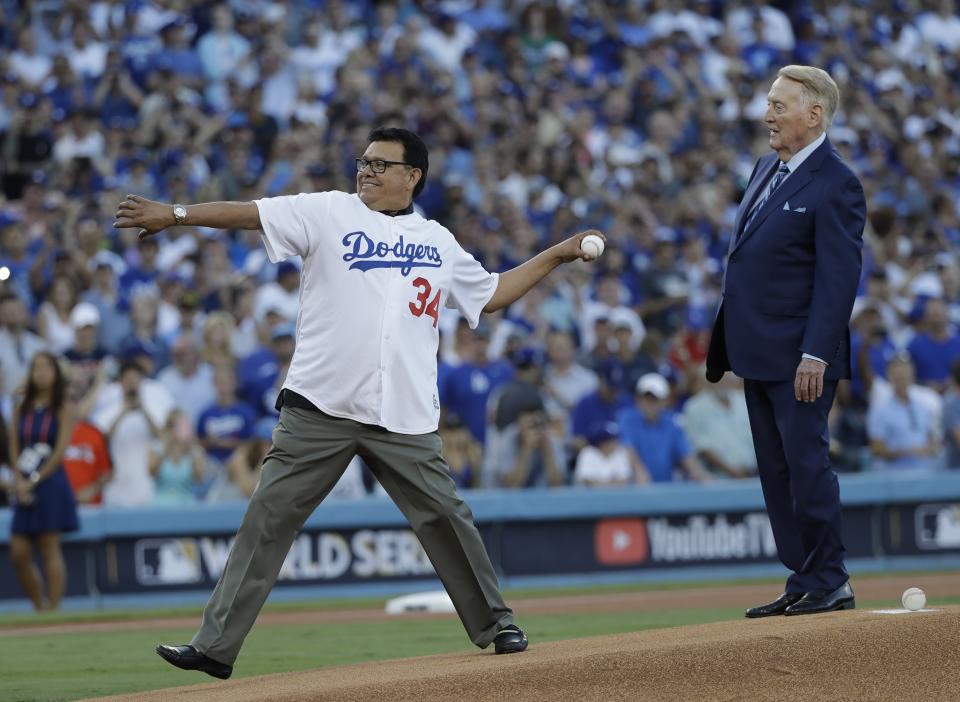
35	477
179	214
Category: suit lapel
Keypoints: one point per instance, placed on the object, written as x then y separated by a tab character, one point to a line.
792	185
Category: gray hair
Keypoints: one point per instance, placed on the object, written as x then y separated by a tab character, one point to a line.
818	88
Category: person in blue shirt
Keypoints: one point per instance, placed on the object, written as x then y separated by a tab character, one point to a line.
871	348
144	339
600	407
177	56
902	427
468	386
935	348
655	435
143	276
228	422
258	372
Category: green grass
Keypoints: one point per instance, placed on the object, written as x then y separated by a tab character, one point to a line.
103	663
118	615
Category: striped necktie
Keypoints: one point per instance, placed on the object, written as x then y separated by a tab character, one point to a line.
778	177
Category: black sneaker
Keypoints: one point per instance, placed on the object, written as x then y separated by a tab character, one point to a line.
510	639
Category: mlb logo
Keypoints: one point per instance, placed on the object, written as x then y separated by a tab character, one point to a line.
938	527
621	541
168	562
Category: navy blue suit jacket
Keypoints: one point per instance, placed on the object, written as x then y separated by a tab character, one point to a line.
792	275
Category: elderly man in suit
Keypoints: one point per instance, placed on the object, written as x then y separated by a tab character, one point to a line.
792	273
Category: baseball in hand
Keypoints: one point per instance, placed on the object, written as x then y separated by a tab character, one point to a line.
592	246
913	598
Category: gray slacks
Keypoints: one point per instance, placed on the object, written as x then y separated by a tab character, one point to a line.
310	452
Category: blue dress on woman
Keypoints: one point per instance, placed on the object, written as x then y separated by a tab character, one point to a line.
53	508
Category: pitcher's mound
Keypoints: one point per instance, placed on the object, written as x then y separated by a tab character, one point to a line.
858	655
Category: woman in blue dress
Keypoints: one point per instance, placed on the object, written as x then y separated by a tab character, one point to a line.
45	507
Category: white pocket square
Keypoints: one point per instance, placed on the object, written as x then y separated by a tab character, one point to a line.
786	208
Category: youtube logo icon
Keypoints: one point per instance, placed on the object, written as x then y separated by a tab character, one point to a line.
621	541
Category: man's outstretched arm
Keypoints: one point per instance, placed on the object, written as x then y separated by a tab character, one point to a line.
151	216
516	282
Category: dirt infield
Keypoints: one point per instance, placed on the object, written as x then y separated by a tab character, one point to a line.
858	655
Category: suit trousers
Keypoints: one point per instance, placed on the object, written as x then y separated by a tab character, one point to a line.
800	488
310	452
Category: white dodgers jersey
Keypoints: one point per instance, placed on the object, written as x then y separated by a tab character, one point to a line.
370	295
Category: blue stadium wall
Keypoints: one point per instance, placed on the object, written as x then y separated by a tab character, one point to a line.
536	538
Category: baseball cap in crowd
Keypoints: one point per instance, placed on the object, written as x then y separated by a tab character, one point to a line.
527	356
84	314
621	319
108	259
945	259
653	384
611	372
175	277
8	218
281	330
237	120
138	350
556	50
285	267
603	432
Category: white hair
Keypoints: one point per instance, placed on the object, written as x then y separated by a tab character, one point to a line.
817	88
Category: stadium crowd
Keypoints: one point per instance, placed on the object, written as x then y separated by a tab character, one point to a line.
640	118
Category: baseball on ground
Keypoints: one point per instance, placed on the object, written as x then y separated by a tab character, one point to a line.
913	598
592	245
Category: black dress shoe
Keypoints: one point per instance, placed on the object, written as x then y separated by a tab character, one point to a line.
822	601
189	658
510	639
778	606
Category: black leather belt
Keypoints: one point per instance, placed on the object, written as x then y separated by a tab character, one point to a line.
292	399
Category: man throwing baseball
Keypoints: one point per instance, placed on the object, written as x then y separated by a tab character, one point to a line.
363	380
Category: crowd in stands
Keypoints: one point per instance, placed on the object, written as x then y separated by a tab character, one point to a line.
637	117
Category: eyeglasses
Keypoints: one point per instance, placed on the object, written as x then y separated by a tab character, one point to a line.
378	165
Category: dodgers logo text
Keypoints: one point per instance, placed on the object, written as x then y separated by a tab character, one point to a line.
365	254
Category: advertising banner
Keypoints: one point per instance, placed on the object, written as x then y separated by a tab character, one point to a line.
126	562
631	543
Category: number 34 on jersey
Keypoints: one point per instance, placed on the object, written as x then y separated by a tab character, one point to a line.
421	306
